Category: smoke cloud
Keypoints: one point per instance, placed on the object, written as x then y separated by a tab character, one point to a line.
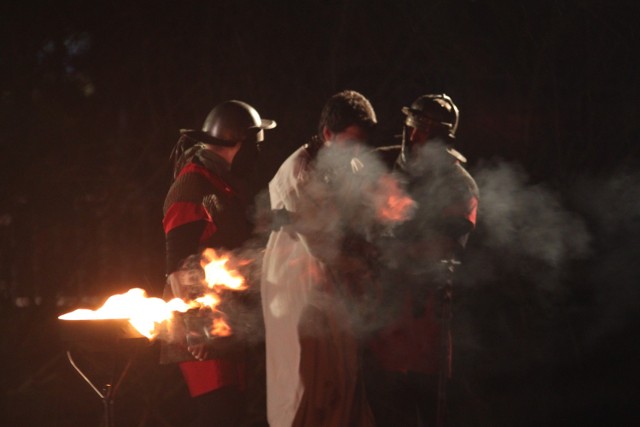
611	207
548	289
524	230
532	255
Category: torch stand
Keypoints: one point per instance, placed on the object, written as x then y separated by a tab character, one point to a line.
114	338
108	393
109	390
445	292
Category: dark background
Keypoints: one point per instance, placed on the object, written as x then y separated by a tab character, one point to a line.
93	95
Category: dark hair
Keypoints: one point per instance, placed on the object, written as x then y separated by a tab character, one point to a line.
345	109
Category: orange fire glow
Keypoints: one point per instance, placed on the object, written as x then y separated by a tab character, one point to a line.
144	313
220	328
147	314
217	274
393	204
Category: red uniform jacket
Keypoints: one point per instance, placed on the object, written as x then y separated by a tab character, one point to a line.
203	209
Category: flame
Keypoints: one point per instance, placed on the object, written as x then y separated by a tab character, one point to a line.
147	315
208	300
217	274
393	204
220	328
144	313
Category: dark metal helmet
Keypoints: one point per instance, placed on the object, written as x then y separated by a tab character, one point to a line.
437	116
229	123
433	109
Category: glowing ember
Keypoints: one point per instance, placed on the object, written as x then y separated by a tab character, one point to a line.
220	328
216	274
393	204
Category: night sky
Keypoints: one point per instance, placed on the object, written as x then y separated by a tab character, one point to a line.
93	95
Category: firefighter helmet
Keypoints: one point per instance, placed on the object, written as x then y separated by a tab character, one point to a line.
229	123
433	109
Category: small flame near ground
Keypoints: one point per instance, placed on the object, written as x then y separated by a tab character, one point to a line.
147	314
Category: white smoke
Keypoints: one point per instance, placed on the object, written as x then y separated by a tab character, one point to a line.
337	211
524	229
611	206
351	184
550	276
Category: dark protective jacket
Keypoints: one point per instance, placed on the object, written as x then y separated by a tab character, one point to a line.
447	199
205	208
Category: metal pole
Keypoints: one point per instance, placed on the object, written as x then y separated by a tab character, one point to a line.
108	393
107	401
444	369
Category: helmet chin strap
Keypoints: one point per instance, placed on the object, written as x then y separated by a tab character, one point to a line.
404	155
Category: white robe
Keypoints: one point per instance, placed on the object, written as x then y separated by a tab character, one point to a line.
285	286
298	290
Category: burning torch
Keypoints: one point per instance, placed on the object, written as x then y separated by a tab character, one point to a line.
133	317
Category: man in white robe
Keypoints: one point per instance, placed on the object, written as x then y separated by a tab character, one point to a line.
313	367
